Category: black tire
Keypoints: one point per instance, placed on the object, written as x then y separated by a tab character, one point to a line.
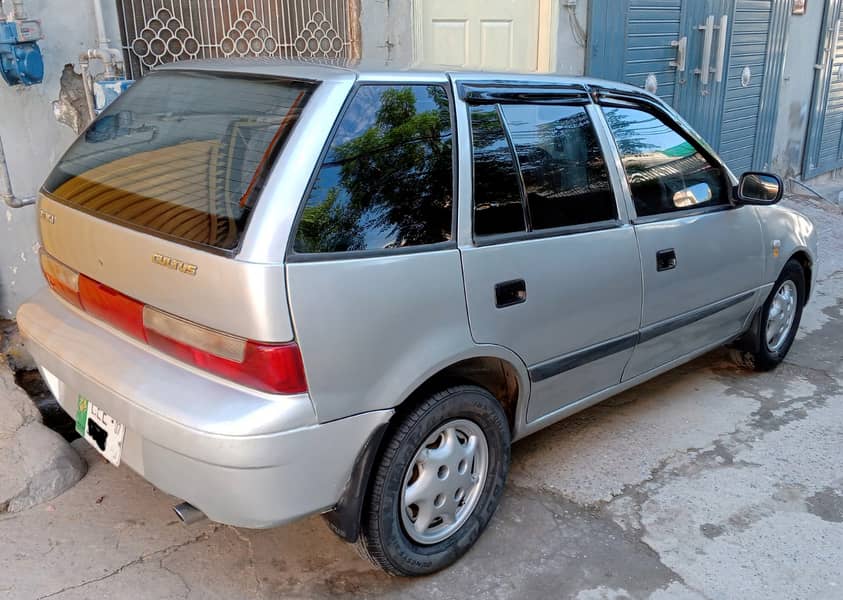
383	538
752	350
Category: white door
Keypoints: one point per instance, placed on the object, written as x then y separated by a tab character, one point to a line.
484	34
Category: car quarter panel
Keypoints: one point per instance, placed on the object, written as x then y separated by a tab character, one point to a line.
372	329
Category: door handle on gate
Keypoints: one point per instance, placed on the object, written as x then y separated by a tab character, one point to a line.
721	49
681	46
705	66
666	259
510	293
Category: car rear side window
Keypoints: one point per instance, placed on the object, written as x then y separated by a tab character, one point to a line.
182	154
565	176
497	194
387	178
665	169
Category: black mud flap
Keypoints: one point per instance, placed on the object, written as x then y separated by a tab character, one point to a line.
344	520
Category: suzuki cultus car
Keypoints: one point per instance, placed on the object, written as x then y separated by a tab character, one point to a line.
279	289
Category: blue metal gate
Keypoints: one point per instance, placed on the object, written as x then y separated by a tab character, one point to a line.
823	148
718	62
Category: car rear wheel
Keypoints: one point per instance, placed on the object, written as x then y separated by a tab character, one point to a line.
776	325
437	483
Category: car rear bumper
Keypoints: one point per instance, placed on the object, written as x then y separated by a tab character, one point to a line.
242	457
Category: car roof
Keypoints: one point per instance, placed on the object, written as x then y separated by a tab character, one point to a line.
348	69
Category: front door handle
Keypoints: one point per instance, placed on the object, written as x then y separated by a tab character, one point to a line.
510	293
666	259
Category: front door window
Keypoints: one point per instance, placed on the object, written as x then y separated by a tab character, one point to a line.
666	171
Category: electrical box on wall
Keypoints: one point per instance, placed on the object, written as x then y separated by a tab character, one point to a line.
21	62
106	91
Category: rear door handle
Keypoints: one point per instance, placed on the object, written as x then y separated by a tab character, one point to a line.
510	293
666	259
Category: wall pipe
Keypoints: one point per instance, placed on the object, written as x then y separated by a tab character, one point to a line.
111	60
6	192
102	40
19	13
102	37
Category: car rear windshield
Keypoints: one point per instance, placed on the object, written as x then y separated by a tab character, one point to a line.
182	154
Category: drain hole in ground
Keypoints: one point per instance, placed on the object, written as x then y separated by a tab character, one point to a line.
54	416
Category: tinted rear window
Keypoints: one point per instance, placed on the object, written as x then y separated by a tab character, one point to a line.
497	195
565	175
181	154
387	179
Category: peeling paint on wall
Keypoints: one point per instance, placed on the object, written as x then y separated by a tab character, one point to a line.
71	108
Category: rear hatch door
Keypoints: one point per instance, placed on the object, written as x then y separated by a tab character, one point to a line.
154	199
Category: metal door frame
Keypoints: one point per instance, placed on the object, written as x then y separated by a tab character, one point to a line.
819	95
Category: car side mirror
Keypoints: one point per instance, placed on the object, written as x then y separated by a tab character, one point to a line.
760	189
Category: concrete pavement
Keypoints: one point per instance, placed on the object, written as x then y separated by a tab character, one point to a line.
707	482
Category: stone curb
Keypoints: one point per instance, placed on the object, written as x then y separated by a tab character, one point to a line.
36	463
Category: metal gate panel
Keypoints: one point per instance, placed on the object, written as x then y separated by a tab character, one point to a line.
632	39
652	26
160	31
640	31
748	51
822	147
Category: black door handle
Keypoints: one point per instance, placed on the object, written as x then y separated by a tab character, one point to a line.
666	259
509	293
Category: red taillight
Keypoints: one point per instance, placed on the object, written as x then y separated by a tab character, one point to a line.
111	306
274	368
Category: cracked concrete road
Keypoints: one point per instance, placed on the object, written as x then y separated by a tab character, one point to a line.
707	482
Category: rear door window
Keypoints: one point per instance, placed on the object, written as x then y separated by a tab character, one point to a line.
182	154
497	193
566	181
386	181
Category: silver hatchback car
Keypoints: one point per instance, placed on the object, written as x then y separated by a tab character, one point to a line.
279	289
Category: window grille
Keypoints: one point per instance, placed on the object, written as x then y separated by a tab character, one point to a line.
162	31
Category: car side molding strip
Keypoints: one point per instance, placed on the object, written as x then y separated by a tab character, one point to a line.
556	366
653	331
561	364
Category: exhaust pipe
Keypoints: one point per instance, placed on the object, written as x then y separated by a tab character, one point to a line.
188	514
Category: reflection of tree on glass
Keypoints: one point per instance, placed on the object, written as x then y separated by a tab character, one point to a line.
629	132
497	195
387	179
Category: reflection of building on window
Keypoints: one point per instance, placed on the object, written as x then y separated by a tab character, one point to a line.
666	172
565	181
184	166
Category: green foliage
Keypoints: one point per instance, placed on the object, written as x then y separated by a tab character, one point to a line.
394	178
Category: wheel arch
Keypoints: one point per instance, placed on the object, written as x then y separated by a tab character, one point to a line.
804	259
491	367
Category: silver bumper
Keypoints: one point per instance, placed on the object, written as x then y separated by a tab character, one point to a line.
243	457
